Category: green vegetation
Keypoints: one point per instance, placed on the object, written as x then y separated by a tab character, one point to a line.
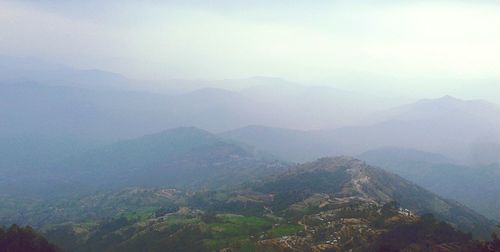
141	214
235	231
332	204
207	233
285	230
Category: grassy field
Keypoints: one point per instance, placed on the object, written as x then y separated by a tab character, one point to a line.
141	214
285	230
236	231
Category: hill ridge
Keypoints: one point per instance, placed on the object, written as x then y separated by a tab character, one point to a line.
350	178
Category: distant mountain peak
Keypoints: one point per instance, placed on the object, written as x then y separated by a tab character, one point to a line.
445	100
452	101
449	97
444	107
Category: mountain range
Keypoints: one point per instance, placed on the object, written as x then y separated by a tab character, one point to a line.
99	165
309	121
58	100
447	126
329	203
194	159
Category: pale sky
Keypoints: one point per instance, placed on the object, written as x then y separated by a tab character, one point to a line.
407	47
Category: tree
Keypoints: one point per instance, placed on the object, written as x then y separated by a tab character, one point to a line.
19	239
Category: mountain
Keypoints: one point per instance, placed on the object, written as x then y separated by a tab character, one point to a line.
187	158
345	226
446	105
465	131
331	204
30	69
39	109
47	99
474	186
66	101
332	180
447	125
181	157
36	109
301	106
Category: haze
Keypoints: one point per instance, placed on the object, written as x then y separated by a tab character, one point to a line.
405	48
249	126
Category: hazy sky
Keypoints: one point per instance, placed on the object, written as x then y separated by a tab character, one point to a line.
424	47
